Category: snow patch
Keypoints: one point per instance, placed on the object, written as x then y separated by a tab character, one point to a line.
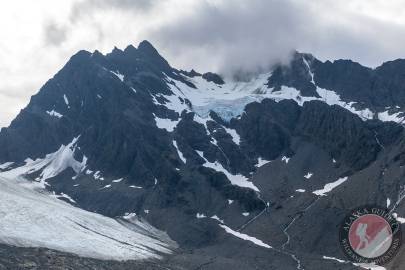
66	101
334	259
181	156
362	265
97	176
63	195
246	237
308	175
217	218
54	113
199	216
118	75
6	165
300	190
329	187
237	180
398	218
285	159
395	117
129	216
234	134
261	162
164	123
52	165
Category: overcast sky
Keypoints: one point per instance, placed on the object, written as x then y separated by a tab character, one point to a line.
38	37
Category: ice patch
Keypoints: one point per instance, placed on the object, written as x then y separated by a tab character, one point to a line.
388	202
138	187
308	175
230	201
329	187
300	190
199	216
245	214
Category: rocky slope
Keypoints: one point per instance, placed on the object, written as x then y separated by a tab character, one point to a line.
235	172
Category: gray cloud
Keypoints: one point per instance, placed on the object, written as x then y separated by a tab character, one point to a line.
54	34
237	35
224	36
86	7
233	36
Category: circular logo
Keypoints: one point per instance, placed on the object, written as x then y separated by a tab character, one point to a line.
370	234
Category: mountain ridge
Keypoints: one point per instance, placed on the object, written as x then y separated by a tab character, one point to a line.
216	164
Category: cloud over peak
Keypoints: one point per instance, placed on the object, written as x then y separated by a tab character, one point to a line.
224	36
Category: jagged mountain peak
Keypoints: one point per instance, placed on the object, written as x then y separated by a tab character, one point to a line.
203	157
147	47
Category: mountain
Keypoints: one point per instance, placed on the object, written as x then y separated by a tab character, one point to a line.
254	174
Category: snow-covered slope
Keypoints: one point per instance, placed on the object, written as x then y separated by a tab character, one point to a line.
30	217
229	99
50	166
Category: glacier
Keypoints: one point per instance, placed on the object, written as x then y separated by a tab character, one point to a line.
230	99
32	218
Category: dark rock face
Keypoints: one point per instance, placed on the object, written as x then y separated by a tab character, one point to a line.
112	103
212	77
295	75
347	138
371	88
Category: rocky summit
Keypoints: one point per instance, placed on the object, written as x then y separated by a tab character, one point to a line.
122	161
